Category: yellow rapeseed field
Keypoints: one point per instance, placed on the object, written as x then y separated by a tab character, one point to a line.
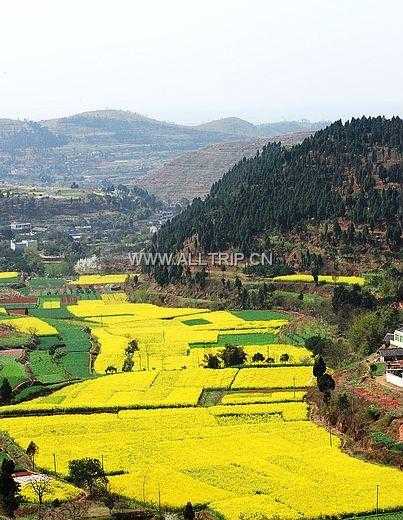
164	335
9	274
241	460
58	489
274	377
134	389
308	278
31	325
261	397
100	279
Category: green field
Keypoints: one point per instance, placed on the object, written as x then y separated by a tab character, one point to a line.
45	369
77	364
252	315
255	338
196	321
11	369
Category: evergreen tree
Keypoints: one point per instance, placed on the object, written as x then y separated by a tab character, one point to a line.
9	489
6	391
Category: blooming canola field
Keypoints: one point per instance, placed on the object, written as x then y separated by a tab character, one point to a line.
166	335
236	439
239	460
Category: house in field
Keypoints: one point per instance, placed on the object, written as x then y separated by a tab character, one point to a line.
21	227
24	245
391	353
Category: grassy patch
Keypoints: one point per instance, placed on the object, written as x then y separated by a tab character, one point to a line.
45	369
77	364
61	313
196	321
73	336
44	282
14	340
257	315
12	370
255	338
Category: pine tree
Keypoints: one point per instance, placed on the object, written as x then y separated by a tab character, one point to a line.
9	489
6	391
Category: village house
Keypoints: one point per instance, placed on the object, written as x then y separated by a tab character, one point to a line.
391	353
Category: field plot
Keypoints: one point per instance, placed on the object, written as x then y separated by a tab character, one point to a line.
9	277
274	377
261	397
308	278
13	370
166	336
125	390
98	279
31	325
241	460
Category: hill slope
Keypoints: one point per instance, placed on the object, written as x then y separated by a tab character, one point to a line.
242	128
349	171
108	144
192	174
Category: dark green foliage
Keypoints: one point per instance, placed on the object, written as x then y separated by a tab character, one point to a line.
284	358
211	361
6	391
87	473
326	384
317	345
233	356
189	512
283	188
9	489
368	329
388	442
319	367
353	297
258	357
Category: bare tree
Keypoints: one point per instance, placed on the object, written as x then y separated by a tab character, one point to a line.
41	487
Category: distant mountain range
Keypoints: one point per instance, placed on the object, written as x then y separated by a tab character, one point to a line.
240	127
110	145
193	173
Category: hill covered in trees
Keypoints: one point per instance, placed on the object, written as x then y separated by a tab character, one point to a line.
346	176
193	173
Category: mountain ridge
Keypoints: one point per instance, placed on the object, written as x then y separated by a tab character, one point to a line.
347	171
113	146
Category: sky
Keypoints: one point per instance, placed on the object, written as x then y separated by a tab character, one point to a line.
191	61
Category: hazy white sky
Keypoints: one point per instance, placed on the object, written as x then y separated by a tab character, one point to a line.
194	60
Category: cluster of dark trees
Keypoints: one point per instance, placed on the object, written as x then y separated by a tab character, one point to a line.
345	171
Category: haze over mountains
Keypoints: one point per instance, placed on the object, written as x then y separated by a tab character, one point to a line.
236	126
111	145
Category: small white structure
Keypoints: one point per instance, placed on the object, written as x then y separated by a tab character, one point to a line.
397	340
24	227
23	245
392	356
395	377
153	230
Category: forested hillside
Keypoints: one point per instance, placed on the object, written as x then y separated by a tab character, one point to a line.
346	174
193	173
